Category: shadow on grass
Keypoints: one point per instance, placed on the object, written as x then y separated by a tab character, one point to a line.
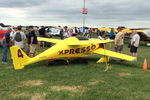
81	61
117	62
62	62
58	63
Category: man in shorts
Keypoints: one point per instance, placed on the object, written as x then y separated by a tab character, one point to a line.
134	43
32	41
119	41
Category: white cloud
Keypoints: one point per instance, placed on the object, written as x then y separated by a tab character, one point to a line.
131	13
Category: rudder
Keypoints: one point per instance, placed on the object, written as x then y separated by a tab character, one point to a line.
19	57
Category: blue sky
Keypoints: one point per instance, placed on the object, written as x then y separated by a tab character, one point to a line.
107	13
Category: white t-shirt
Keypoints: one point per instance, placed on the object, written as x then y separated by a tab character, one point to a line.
21	43
66	34
74	31
101	38
136	39
131	36
12	34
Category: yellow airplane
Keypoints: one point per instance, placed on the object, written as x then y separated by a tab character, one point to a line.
73	47
125	31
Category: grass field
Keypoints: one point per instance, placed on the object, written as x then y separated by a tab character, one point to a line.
126	80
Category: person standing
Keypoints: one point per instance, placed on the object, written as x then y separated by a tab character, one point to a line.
19	38
98	32
119	41
130	38
79	31
86	33
48	30
134	43
61	34
71	32
42	32
75	32
66	32
12	33
90	33
5	44
32	41
27	46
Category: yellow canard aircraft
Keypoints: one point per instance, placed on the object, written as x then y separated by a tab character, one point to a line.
73	47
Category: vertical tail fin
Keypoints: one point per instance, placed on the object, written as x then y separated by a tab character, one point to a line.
19	57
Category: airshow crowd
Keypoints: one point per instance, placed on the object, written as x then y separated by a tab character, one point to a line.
27	41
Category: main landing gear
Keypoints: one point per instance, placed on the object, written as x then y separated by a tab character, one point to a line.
66	62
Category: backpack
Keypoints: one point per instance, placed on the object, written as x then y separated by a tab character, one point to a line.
18	37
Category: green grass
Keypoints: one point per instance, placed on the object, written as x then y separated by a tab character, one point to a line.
126	80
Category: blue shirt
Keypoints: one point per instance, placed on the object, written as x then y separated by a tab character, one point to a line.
32	34
7	36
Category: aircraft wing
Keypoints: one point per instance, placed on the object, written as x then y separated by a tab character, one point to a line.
114	54
92	41
127	30
105	29
49	40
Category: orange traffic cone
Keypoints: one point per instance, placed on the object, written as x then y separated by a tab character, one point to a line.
145	65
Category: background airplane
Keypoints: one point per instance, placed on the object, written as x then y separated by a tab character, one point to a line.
144	33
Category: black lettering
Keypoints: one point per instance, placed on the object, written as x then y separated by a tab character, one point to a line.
93	47
88	48
83	50
72	51
61	52
77	50
66	51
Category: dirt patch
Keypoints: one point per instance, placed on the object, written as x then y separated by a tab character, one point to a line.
38	96
69	88
94	82
124	74
32	83
21	95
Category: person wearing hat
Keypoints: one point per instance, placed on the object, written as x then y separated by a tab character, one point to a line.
32	41
119	40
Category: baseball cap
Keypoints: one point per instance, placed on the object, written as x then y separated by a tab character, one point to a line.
65	27
30	26
119	28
